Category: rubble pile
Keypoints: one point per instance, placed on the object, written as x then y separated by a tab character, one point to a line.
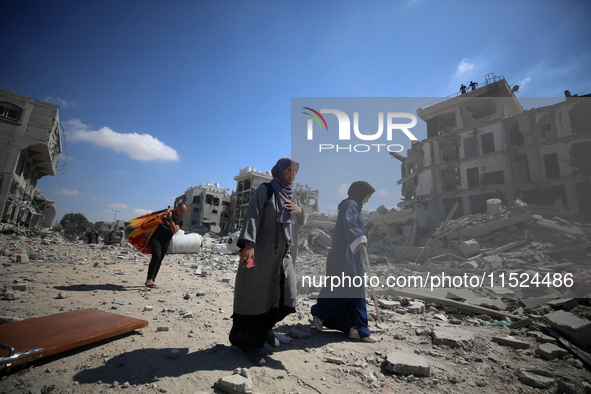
445	339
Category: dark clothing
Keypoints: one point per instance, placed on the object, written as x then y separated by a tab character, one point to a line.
342	307
159	244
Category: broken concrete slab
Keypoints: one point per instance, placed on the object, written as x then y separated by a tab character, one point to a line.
479	230
563	303
549	351
453	337
536	378
407	364
470	247
552	225
511	341
388	304
234	384
571	326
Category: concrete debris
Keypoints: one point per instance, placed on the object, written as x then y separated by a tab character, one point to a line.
511	341
407	364
453	337
238	383
549	351
571	326
536	378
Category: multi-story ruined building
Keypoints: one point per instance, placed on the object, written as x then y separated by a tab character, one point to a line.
30	144
482	144
207	208
308	198
247	180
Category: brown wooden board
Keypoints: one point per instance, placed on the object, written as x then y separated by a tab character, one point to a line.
61	332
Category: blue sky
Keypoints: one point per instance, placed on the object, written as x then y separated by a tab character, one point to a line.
156	97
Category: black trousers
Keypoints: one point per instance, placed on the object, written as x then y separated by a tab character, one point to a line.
159	249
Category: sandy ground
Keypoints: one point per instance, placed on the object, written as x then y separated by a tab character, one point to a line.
195	352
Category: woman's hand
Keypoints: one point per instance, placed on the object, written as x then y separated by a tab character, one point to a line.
293	208
247	253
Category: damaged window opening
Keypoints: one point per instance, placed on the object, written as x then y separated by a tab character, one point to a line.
10	112
488	143
450	179
470	147
473	176
449	151
481	109
522	174
196	199
515	135
581	158
208	199
551	165
493	178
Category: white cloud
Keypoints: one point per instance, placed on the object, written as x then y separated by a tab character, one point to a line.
67	192
140	212
343	189
524	82
59	102
464	67
142	147
118	205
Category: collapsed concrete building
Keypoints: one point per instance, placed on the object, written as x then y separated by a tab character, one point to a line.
482	144
247	181
30	144
308	198
208	208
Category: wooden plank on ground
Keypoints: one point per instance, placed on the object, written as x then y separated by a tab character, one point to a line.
63	331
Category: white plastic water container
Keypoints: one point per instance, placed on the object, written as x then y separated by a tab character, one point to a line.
493	205
185	243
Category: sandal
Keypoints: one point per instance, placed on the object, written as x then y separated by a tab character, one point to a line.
150	283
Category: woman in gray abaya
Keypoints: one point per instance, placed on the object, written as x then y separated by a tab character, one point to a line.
265	290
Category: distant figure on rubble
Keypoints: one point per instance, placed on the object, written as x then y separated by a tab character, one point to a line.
96	237
473	85
463	89
265	289
343	307
160	240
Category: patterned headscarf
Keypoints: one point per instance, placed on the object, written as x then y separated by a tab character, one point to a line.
284	193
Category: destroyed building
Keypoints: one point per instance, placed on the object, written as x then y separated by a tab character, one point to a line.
247	181
30	144
207	208
482	144
308	198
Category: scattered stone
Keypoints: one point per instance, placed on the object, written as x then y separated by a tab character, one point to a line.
511	341
20	287
549	351
299	331
522	323
22	258
536	378
563	303
440	316
234	384
407	364
388	304
453	337
335	360
416	307
148	308
571	326
162	328
62	295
